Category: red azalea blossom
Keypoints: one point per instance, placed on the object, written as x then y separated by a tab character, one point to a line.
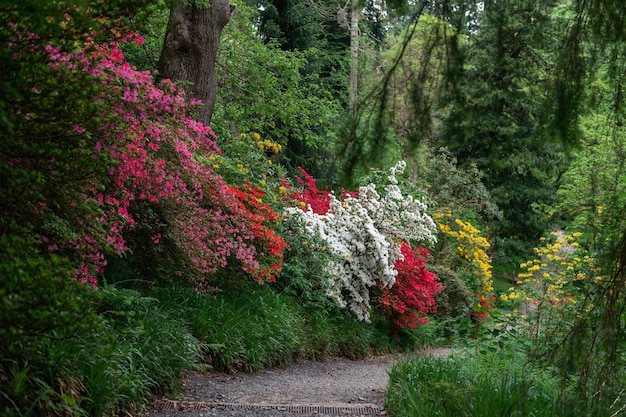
411	298
259	212
485	305
318	200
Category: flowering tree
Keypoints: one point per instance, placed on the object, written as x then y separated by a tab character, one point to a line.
363	230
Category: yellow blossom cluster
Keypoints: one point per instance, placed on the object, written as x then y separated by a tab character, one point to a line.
243	169
470	245
512	295
550	276
215	161
270	147
265	145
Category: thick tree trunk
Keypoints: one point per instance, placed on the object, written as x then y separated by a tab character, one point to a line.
190	49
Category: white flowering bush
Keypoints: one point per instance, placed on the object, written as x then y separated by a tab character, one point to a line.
364	231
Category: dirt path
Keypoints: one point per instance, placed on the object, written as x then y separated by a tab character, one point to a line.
304	389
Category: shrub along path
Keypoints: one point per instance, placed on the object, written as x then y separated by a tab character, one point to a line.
334	387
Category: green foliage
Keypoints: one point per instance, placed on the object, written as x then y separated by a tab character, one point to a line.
293	24
456	300
249	158
144	350
594	36
41	310
44	163
576	320
459	189
247	329
462	385
594	187
49	20
591	352
304	275
494	118
60	358
250	328
151	25
38	297
266	89
297	26
417	56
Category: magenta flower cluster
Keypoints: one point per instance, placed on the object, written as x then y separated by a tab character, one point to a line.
154	151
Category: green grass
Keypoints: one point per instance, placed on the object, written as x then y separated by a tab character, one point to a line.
470	386
248	330
142	350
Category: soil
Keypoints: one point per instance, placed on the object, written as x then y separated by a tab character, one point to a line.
334	387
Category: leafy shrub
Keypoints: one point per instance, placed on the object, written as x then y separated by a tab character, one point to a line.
458	189
568	305
43	313
455	300
462	247
304	275
126	155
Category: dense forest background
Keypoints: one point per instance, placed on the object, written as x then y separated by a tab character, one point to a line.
194	184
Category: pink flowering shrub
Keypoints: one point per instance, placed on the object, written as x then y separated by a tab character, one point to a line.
135	146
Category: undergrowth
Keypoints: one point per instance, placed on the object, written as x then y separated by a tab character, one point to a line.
486	385
125	345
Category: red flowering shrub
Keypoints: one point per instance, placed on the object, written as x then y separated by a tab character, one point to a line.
272	246
318	200
485	305
412	296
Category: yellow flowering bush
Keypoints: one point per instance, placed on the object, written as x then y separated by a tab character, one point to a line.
463	249
466	248
553	290
555	276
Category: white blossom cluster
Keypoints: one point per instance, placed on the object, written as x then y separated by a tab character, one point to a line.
364	233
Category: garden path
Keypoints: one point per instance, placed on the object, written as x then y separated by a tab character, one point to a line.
334	387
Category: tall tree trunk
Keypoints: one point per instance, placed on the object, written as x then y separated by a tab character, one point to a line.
190	49
354	57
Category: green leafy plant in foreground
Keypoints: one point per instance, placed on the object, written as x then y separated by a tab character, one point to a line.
241	329
462	385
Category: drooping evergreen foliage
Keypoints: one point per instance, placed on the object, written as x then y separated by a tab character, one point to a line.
495	122
589	107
